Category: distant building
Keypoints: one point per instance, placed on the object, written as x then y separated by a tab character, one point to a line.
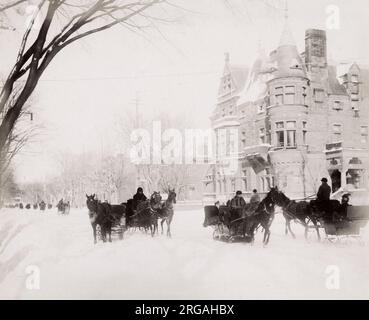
298	119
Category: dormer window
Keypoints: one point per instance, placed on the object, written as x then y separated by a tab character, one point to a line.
262	135
354	78
355	88
337	105
364	134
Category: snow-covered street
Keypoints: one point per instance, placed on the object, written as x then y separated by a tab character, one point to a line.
191	265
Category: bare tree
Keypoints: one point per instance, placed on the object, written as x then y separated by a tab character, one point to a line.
22	133
39	48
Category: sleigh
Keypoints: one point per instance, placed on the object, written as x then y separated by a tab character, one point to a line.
350	224
228	224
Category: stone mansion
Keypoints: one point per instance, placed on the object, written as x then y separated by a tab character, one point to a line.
298	119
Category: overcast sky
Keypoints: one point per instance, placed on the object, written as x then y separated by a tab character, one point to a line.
93	83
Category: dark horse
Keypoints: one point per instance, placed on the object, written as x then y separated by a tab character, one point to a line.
302	212
263	216
99	214
146	215
167	211
63	207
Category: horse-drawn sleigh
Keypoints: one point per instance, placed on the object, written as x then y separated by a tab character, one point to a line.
63	207
107	219
341	220
240	224
145	215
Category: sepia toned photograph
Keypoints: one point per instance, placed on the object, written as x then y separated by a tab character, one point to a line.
184	150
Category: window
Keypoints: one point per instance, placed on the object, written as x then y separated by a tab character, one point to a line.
355	89
290	89
337	105
279	125
291	133
304	131
337	132
279	90
304	94
354	78
290	98
243	139
289	95
364	134
279	99
262	135
222	142
280	134
279	95
319	95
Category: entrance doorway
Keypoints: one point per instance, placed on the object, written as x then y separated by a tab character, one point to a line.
336	180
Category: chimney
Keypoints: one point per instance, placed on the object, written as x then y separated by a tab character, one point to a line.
315	49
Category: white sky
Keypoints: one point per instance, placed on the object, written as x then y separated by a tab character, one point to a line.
94	82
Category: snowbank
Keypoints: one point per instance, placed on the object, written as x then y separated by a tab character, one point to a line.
189	266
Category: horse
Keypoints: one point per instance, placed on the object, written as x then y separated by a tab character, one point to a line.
263	216
146	214
42	206
166	212
301	211
63	207
99	214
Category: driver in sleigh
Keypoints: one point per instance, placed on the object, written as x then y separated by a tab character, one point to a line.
323	201
237	205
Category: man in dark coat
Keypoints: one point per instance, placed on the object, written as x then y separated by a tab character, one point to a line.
323	197
238	201
237	204
138	197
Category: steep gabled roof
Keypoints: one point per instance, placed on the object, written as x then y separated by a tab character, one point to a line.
238	75
287	58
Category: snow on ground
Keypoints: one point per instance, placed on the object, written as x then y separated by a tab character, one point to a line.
191	265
